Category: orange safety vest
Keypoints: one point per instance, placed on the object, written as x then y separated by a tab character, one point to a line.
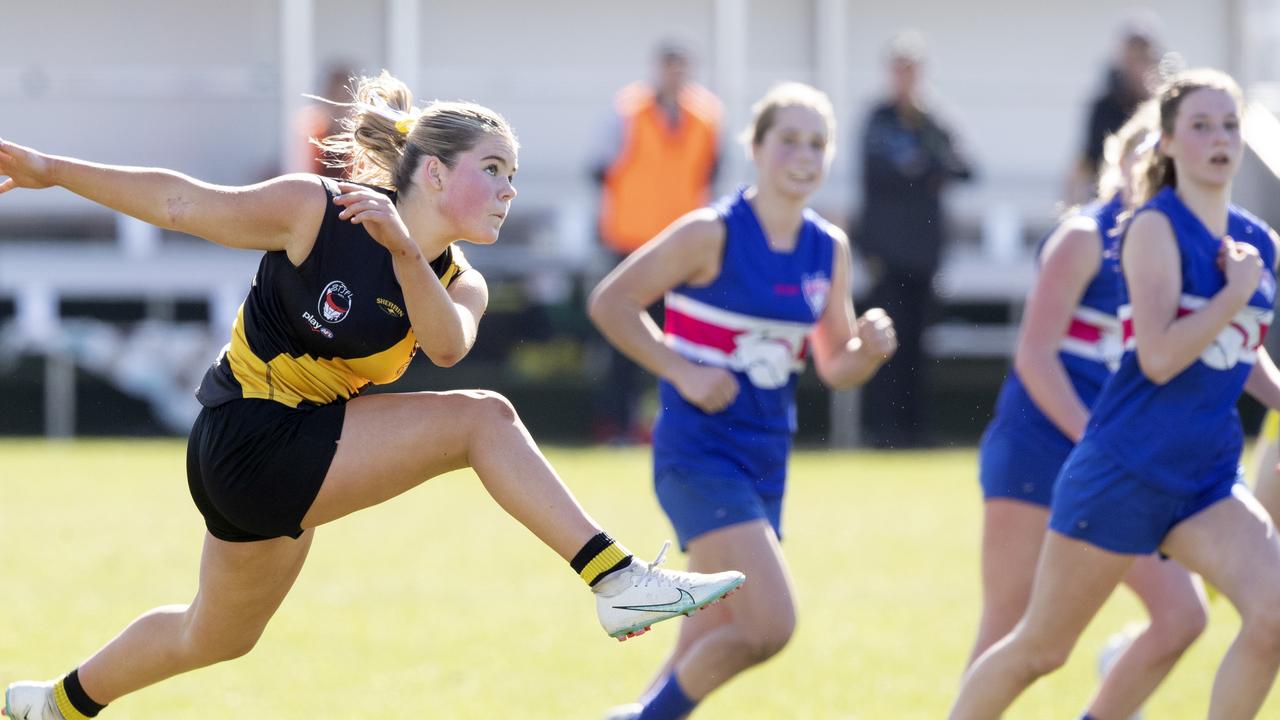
661	172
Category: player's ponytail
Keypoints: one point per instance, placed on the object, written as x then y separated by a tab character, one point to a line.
385	137
1153	172
1135	139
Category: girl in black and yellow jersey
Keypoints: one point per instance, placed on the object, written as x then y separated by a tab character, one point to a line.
356	277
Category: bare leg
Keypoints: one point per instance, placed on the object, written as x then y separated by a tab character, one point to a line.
241	586
389	444
392	443
714	649
1012	534
1176	604
1072	582
1233	545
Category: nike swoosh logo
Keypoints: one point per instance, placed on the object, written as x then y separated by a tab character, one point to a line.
683	599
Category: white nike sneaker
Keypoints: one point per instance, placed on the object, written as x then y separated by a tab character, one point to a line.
631	600
630	711
30	701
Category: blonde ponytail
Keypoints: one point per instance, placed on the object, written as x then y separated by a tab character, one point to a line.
384	138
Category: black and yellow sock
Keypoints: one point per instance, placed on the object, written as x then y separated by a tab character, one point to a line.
73	702
599	557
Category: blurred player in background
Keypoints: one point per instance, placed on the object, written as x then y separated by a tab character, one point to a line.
753	285
1158	466
1070	341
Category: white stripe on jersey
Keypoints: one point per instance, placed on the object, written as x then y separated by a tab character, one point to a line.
1237	342
734	321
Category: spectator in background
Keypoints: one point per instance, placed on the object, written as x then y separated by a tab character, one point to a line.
908	159
656	162
1130	78
315	122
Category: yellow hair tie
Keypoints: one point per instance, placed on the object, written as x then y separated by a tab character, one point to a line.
405	124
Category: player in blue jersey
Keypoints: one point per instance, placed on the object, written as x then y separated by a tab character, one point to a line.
1069	341
354	279
752	286
1158	465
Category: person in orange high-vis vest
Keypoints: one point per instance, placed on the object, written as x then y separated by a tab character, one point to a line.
658	162
664	162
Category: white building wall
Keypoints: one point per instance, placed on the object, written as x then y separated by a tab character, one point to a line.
194	86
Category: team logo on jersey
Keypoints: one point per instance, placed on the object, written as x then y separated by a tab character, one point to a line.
335	302
815	288
316	326
1239	340
765	358
390	308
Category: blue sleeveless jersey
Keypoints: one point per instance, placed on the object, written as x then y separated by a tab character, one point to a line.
1089	351
1185	435
753	319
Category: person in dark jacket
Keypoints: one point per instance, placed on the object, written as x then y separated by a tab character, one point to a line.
909	157
1128	81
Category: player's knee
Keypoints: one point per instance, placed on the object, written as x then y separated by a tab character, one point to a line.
1042	659
764	642
1180	627
492	407
1260	626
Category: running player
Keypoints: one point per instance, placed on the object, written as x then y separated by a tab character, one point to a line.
752	286
1069	342
356	277
1158	465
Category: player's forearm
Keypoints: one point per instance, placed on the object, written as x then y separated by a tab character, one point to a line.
633	332
1050	388
442	332
1163	353
852	366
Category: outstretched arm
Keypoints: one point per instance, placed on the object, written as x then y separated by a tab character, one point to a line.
274	215
846	352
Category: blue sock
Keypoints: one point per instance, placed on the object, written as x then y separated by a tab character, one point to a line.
1086	716
668	703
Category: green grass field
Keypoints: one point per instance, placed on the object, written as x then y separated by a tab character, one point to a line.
437	605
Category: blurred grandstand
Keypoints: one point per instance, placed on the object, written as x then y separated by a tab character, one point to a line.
106	324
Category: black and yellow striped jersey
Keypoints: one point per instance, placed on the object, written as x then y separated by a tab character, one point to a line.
319	332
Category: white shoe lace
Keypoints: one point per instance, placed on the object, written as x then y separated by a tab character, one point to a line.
654	574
